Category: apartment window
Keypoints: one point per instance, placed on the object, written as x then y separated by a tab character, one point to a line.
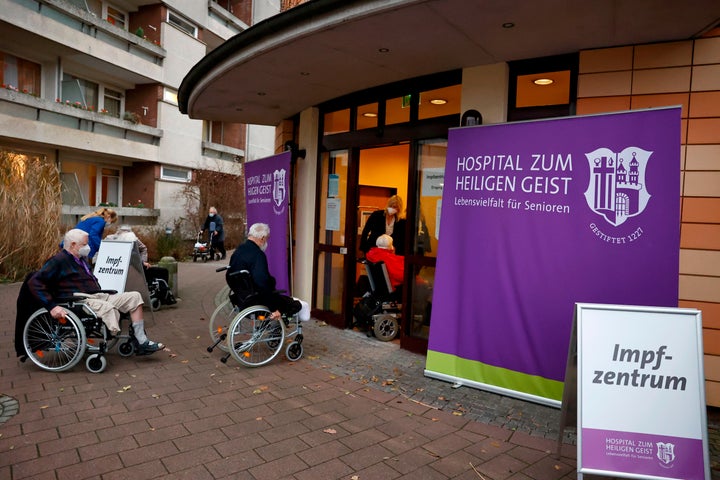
116	16
19	73
175	174
90	184
184	25
109	187
79	92
170	95
112	102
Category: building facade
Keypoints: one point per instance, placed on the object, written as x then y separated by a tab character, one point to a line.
91	85
374	92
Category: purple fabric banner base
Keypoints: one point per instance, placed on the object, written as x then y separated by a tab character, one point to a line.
267	194
537	216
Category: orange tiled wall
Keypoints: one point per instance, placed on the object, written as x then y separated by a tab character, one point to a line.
683	73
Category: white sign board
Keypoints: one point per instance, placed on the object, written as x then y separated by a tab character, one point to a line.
112	265
641	393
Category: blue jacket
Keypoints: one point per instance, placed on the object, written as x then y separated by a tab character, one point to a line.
94	226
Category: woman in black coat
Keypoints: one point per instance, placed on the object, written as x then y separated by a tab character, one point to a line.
387	221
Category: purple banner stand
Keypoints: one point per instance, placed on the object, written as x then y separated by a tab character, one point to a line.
537	216
267	194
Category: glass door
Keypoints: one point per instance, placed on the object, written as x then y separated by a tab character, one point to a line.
331	250
424	210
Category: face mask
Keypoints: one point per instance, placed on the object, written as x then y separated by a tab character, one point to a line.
84	251
263	247
211	214
391	211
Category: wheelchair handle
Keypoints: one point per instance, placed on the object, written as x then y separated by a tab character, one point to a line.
220	269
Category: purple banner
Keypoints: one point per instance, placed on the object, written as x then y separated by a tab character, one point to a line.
643	454
267	194
537	216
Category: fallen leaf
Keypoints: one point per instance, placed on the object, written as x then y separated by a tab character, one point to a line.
44	407
185	361
172	355
330	430
457	414
155	395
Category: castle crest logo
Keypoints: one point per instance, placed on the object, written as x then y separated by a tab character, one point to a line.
279	190
665	453
616	188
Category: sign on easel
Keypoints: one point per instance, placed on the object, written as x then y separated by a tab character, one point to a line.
113	262
641	409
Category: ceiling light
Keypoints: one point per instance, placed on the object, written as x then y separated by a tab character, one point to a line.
543	81
383	50
261	94
369	114
508	25
438	101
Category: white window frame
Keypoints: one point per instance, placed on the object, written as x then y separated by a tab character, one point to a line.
99	178
103	94
165	175
170	95
105	9
182	23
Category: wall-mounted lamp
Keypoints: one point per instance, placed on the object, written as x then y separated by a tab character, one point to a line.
438	101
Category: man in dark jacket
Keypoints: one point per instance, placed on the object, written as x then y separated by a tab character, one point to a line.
250	256
68	273
214	226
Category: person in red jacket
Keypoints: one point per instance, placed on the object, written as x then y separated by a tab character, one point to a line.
385	252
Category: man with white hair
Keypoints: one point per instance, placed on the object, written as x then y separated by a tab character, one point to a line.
68	273
250	256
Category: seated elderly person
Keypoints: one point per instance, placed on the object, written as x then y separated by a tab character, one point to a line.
385	252
68	273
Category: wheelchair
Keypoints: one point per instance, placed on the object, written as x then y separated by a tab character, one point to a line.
245	330
379	309
58	345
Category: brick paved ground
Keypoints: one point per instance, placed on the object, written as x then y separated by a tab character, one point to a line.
352	408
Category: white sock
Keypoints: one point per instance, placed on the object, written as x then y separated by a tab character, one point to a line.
139	328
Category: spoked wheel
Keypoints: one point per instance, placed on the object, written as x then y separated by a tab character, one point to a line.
386	327
54	345
253	338
220	321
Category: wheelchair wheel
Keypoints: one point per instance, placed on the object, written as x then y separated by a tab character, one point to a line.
386	327
54	345
294	351
126	349
96	363
253	338
154	304
220	321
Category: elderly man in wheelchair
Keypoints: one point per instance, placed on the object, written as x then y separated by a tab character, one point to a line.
72	309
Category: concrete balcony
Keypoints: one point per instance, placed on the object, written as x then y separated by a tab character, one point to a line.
61	22
28	117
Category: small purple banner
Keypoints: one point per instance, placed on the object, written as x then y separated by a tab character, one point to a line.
267	193
537	216
643	454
